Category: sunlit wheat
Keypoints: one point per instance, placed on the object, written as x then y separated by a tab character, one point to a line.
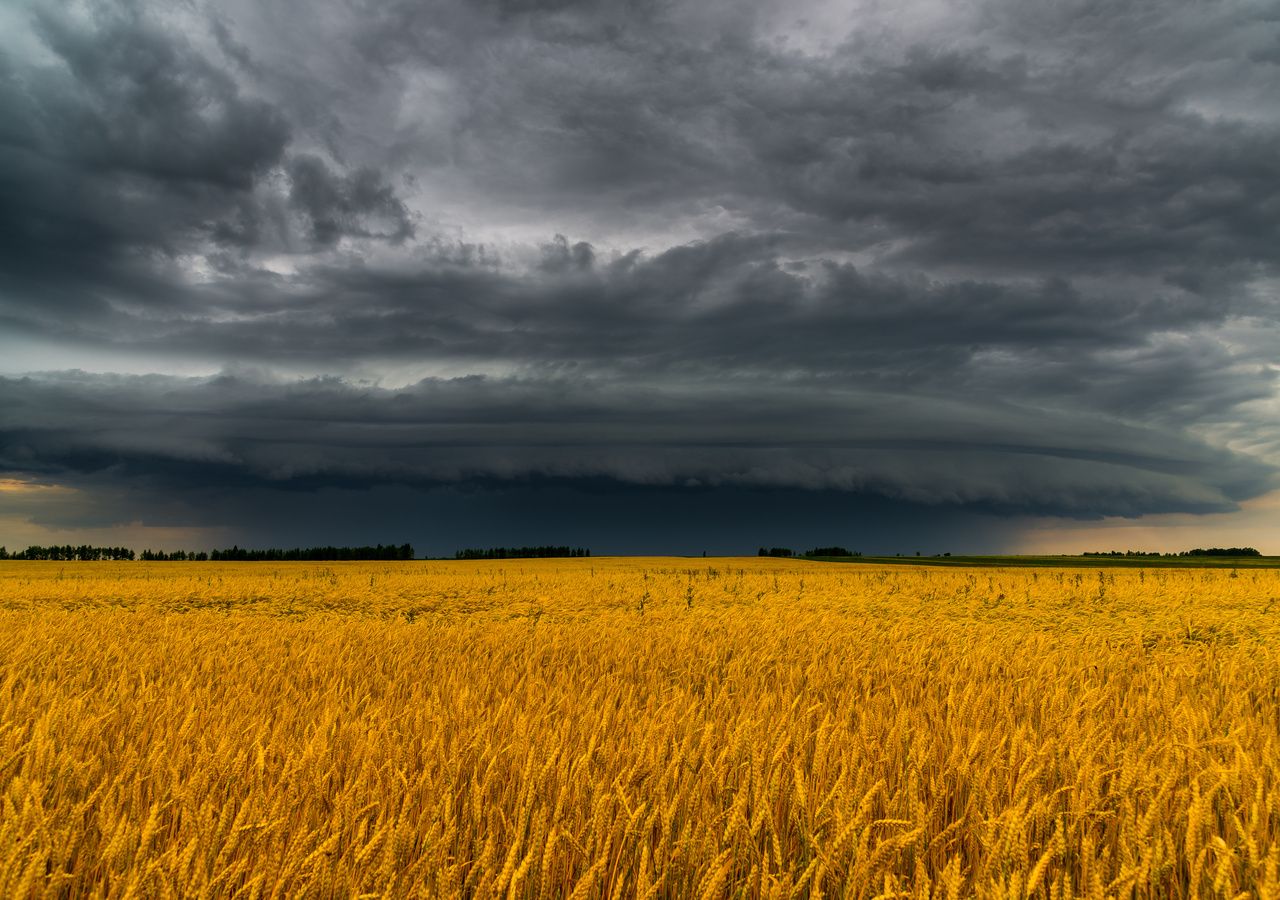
637	728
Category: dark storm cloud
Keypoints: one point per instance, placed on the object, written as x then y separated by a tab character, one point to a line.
751	433
126	148
1018	256
732	303
114	147
1052	135
336	206
131	99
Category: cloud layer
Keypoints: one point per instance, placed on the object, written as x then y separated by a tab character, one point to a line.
1018	257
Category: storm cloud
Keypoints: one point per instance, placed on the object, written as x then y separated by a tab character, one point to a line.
1010	258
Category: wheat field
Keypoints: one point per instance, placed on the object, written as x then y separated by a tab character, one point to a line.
612	728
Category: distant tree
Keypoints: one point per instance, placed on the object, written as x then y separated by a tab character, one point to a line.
545	552
1148	554
314	554
1222	551
70	553
831	551
174	556
86	553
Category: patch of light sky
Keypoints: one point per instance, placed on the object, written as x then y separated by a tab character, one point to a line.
17	532
21	355
32	356
820	27
1256	524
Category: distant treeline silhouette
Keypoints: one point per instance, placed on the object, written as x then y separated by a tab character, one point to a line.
68	553
520	552
816	551
314	554
1199	551
85	553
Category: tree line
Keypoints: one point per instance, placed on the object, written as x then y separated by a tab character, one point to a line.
315	554
86	553
68	553
1199	551
816	551
520	552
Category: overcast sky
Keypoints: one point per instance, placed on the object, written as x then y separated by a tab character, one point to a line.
645	276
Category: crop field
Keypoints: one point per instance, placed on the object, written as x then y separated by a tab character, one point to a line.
651	728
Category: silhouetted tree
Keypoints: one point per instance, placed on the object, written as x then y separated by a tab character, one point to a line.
547	552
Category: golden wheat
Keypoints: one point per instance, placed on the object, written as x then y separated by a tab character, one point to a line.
637	728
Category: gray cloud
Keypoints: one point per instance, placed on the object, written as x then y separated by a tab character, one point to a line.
752	433
129	98
360	204
1012	256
